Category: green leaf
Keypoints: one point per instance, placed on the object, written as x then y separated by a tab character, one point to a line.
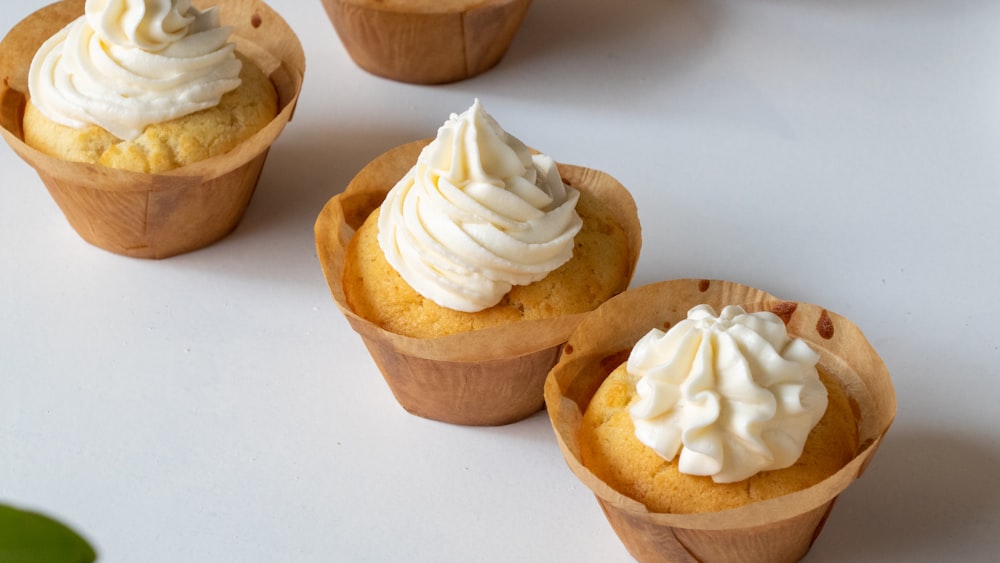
29	537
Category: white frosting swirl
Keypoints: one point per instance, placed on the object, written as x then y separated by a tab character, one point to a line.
128	63
734	393
477	214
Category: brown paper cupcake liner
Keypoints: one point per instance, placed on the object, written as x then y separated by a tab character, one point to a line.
156	215
491	376
426	41
778	529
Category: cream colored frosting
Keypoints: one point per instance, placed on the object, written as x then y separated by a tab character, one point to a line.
477	214
126	64
733	393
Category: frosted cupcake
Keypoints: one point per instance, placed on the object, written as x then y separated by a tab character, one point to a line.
464	263
717	437
149	121
717	412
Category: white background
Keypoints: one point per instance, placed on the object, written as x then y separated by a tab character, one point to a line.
217	407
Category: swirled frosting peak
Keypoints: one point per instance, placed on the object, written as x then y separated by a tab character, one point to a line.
477	214
126	64
733	394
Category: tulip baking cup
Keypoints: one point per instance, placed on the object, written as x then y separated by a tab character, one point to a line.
426	41
156	215
775	530
490	376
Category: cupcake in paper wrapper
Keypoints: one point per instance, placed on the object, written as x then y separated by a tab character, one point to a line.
426	41
490	376
774	530
168	213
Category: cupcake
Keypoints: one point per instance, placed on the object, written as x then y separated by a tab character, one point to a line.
465	261
426	41
149	122
714	422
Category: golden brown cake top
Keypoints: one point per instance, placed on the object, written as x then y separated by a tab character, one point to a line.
126	64
166	145
477	214
610	449
599	269
728	394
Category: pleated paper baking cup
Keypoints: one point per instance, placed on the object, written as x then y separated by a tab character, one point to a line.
775	530
426	41
490	376
169	213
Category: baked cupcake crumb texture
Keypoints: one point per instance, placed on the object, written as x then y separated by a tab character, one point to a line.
482	232
167	145
611	449
145	94
598	270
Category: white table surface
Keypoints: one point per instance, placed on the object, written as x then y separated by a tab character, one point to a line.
217	407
